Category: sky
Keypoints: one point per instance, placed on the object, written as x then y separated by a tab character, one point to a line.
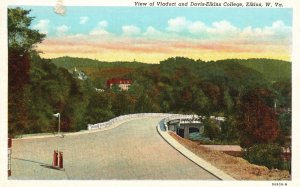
152	34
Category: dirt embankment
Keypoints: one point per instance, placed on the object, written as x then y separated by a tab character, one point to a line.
236	167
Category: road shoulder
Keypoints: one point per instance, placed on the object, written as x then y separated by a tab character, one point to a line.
191	156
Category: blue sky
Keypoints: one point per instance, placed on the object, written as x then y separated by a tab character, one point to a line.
157	17
152	34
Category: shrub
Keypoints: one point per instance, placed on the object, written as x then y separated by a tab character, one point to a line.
211	129
268	155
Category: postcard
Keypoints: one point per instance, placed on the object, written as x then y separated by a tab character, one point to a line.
143	93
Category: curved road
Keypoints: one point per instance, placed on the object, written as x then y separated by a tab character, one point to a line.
133	150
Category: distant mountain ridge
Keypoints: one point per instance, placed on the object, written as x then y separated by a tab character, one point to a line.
72	62
270	69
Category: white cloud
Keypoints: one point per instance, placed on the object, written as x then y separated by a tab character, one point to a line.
250	32
99	32
131	30
100	29
42	26
223	27
83	19
197	27
61	30
278	30
278	24
181	28
102	24
178	24
151	31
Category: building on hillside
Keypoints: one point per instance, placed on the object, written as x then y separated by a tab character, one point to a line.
123	84
79	74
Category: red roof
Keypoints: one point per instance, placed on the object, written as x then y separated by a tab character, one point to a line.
118	81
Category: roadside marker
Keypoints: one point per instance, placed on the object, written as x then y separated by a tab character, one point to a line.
58	159
55	159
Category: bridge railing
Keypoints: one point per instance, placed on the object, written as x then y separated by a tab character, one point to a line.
183	117
168	117
124	118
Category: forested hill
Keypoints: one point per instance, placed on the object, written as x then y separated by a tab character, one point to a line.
273	70
269	69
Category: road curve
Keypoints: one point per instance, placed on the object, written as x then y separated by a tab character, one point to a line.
133	150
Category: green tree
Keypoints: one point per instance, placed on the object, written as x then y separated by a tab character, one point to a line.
21	43
99	108
211	128
115	88
268	155
21	38
136	88
201	103
228	102
285	121
144	104
123	103
166	98
229	130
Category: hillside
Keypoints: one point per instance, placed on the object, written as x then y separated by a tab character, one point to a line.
267	69
273	70
179	81
176	85
97	70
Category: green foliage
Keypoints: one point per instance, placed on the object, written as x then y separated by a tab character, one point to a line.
285	122
229	130
187	85
228	101
98	109
212	129
54	90
268	66
115	88
21	42
21	38
123	103
201	102
144	104
268	155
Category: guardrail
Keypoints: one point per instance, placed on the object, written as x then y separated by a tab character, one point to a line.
168	117
125	117
182	117
179	117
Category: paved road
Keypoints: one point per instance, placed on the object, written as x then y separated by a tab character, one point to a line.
133	150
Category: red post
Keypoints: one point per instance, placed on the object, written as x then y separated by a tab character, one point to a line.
55	158
61	162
